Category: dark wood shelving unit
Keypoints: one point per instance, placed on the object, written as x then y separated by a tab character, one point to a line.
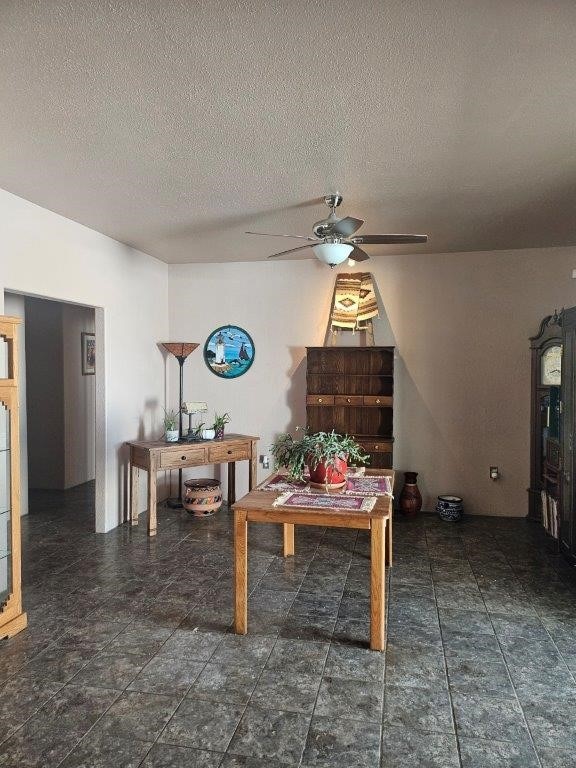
351	390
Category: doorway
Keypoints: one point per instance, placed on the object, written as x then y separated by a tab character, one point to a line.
59	405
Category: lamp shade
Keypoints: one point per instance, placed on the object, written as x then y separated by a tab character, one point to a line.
332	253
180	349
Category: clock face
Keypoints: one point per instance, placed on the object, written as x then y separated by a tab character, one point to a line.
551	366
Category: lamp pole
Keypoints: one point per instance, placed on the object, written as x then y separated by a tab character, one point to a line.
180	350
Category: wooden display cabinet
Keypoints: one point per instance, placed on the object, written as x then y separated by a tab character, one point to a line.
351	390
12	618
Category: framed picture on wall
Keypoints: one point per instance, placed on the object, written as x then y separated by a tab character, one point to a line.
88	343
229	351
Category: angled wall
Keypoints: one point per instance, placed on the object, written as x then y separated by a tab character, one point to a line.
46	255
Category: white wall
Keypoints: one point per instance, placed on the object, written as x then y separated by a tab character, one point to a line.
460	322
47	255
14	306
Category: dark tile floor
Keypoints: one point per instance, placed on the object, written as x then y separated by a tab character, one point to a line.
128	660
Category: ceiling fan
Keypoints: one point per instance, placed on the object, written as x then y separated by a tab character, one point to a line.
334	240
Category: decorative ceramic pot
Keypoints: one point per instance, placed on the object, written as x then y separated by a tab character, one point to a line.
329	477
172	435
450	508
219	433
202	497
410	498
208	434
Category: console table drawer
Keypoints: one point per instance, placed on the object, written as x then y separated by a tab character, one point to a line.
319	399
219	453
184	457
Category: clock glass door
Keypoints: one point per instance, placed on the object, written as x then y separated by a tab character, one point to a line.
5	507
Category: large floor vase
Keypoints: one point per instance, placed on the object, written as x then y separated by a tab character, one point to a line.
410	497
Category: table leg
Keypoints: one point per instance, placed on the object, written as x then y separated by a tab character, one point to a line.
288	539
389	542
152	499
231	482
253	478
134	478
377	584
240	572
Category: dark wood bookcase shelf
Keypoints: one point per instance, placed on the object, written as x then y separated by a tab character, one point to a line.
351	390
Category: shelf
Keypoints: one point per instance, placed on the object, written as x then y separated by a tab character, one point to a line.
5	553
351	390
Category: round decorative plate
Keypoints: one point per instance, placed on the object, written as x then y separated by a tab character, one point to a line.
229	351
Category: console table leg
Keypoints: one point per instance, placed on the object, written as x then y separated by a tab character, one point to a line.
134	478
240	572
377	584
253	478
231	483
152	499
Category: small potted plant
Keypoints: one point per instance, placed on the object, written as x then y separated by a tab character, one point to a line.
326	454
220	422
171	432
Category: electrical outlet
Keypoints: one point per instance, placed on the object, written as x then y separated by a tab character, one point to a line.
265	461
494	473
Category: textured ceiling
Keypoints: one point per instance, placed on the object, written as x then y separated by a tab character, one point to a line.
175	126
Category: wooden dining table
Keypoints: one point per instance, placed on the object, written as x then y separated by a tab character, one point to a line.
258	507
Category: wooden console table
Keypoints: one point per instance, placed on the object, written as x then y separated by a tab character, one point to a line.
257	506
158	455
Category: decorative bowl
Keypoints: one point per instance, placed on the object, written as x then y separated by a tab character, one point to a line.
450	508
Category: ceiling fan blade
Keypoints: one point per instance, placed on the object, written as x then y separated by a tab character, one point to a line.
346	226
273	234
290	250
387	239
359	255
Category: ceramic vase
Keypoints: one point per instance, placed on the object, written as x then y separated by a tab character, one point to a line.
410	498
172	435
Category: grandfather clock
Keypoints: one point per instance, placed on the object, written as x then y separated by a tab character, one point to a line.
545	492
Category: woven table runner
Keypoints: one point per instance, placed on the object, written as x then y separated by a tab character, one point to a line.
370	485
325	501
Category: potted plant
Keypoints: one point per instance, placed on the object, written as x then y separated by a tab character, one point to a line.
326	454
171	432
220	422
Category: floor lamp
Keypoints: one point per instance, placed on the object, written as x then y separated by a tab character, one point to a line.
180	350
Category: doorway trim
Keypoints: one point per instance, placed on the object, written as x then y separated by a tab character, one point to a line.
100	426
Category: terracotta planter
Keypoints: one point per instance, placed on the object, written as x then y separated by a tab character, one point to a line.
410	498
330	477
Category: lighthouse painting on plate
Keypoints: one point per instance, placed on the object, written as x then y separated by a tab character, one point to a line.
229	351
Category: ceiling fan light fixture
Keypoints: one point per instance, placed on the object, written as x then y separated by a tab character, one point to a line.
332	253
